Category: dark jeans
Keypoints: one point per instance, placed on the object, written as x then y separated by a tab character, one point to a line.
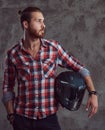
23	123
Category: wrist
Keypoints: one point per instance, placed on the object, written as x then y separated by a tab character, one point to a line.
11	117
93	93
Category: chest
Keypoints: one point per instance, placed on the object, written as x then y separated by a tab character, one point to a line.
33	52
42	65
40	55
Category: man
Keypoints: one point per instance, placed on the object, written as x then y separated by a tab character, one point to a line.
33	62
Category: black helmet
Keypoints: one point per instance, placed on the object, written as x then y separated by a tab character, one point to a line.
70	88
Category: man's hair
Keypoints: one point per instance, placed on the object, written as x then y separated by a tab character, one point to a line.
25	15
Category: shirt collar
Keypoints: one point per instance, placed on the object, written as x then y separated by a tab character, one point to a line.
43	43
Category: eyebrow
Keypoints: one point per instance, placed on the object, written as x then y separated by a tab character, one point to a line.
39	19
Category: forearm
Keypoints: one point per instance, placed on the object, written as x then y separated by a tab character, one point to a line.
9	105
89	83
86	74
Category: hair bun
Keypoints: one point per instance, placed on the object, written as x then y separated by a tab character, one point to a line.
19	12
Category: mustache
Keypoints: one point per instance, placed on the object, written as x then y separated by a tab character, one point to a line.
43	29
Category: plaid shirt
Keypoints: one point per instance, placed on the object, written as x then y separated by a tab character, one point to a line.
35	77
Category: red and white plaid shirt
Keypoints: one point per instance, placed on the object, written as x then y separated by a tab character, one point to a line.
35	77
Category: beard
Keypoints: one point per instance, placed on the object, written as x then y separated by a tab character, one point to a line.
37	34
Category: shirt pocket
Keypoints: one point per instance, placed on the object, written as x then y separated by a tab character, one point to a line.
23	71
49	68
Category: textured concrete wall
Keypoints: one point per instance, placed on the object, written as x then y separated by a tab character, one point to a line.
80	27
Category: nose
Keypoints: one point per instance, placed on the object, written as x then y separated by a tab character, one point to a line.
43	24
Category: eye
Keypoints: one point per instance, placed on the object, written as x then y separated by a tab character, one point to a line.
38	20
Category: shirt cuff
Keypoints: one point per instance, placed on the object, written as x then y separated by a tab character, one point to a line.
8	96
84	72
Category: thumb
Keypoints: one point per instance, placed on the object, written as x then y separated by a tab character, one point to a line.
87	106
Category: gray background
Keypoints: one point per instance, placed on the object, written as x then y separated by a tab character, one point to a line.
79	25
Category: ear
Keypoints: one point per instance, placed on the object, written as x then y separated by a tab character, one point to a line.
25	24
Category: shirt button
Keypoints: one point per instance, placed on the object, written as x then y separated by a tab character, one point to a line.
36	107
36	95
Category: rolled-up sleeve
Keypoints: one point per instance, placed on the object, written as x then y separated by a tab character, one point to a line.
9	79
84	72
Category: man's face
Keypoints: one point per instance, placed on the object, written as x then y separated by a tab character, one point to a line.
36	26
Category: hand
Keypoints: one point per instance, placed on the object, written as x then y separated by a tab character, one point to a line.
11	118
92	105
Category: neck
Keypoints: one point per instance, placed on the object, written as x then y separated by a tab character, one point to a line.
29	43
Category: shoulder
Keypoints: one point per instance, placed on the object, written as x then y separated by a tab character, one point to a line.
13	49
51	42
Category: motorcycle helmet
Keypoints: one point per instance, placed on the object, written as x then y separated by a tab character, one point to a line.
70	88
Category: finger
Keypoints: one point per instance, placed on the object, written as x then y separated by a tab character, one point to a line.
93	111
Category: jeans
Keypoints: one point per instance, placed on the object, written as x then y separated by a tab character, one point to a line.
24	123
